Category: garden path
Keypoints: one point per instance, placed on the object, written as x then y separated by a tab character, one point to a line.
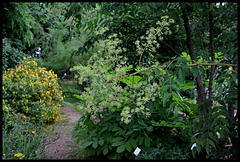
60	145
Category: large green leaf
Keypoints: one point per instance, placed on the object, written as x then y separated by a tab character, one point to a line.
128	146
212	143
105	151
208	148
141	140
117	143
175	88
180	75
187	56
188	85
132	142
147	142
166	97
101	142
117	139
86	144
95	144
129	80
116	129
128	68
121	148
165	88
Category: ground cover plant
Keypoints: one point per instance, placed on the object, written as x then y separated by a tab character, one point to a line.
25	140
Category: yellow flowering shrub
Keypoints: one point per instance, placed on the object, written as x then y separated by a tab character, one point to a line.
33	91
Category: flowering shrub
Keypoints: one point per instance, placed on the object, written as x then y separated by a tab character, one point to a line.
153	102
33	91
136	115
107	68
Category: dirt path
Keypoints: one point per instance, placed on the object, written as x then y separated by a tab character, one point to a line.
60	145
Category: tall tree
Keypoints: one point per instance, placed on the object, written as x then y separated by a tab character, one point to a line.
201	95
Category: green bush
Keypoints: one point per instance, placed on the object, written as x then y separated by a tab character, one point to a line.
109	137
142	114
151	107
10	56
33	91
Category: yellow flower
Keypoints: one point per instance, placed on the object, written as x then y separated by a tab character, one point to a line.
19	155
33	132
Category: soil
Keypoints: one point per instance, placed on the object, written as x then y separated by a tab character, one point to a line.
60	145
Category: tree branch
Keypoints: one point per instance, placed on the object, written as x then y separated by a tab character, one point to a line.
165	66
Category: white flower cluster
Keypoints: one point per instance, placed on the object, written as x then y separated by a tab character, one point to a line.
152	34
106	68
144	93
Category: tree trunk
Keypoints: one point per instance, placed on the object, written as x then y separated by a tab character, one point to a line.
201	95
211	38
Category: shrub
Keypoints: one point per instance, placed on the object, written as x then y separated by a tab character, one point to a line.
33	91
10	56
142	114
110	137
176	115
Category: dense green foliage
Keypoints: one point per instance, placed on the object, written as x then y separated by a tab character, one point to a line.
99	96
105	94
158	76
10	56
112	138
16	16
24	138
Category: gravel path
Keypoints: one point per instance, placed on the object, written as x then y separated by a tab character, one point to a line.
59	144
